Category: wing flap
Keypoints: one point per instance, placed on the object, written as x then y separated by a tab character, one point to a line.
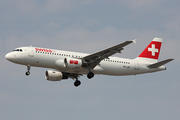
94	59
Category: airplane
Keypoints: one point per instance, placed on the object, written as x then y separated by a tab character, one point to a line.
66	64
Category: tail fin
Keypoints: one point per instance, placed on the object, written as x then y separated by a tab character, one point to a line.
151	52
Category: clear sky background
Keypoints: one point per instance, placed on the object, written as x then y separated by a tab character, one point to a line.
89	26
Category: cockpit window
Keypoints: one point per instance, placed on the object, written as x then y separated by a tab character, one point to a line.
19	50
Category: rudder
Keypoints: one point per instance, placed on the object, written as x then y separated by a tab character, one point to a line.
152	51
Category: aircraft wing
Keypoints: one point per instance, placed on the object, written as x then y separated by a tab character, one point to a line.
94	59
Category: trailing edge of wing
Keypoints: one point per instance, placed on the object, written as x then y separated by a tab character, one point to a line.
158	64
93	59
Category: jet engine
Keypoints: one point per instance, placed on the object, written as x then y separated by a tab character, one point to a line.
52	75
69	63
72	63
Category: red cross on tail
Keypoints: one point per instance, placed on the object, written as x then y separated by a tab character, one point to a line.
151	52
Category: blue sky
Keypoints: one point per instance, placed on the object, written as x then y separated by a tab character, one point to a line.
89	26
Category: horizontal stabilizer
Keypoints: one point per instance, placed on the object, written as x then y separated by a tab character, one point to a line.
158	64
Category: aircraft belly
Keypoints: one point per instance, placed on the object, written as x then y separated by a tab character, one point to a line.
117	69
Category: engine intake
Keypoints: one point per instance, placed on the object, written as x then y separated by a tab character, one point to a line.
52	75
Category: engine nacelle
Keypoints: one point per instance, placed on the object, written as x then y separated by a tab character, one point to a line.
73	63
60	63
52	75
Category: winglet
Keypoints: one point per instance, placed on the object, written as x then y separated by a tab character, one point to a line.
134	41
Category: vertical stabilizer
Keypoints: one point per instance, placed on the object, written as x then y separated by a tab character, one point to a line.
152	51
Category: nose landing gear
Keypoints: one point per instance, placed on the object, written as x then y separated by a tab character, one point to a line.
28	68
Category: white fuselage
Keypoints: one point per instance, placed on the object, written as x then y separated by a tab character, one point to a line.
41	57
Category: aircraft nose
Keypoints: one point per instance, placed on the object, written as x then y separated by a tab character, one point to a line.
8	56
13	57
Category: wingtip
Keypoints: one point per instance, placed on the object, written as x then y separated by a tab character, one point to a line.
134	41
171	59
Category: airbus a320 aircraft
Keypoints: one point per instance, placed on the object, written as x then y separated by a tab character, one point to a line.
67	64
